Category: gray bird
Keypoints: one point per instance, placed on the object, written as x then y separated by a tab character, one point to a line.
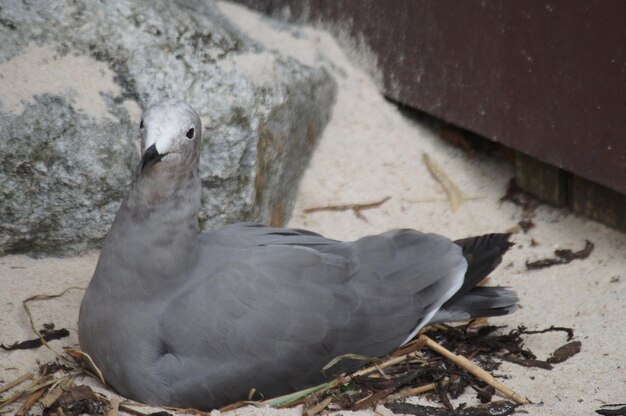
187	319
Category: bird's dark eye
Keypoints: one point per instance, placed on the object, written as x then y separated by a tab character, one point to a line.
190	133
141	124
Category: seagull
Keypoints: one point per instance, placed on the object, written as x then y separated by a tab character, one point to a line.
176	317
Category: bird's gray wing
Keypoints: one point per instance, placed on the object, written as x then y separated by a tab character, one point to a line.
283	303
251	234
264	320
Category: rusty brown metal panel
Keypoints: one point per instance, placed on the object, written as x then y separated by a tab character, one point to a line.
547	78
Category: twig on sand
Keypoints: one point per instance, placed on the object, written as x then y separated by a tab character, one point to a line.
289	399
426	200
356	208
115	406
30	401
473	369
55	392
455	196
390	362
319	407
130	410
417	390
16	382
37	384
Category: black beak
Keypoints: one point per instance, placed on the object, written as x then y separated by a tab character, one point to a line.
150	157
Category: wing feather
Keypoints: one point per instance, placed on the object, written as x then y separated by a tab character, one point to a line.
289	300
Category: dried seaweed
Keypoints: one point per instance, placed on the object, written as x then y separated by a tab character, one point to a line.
53	367
421	369
475	370
526	224
483	341
79	400
485	394
525	200
485	345
612	412
527	362
518	197
568	255
568	331
565	352
562	257
498	408
457	385
48	333
442	391
371	400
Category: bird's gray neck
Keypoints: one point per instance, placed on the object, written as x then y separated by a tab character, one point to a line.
166	196
153	234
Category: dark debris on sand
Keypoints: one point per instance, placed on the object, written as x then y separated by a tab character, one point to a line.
563	256
607	410
517	196
78	400
48	333
485	345
498	408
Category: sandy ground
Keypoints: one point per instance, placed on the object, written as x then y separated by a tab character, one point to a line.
370	151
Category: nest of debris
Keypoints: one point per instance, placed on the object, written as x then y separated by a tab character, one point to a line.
442	363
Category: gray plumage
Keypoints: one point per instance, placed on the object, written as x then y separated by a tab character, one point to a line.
188	319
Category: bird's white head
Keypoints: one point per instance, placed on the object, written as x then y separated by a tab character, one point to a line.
171	134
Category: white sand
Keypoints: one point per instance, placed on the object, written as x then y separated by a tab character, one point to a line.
82	77
370	151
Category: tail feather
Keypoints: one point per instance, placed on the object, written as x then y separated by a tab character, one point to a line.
479	302
483	255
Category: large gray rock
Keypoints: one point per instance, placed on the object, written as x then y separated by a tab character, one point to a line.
73	77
